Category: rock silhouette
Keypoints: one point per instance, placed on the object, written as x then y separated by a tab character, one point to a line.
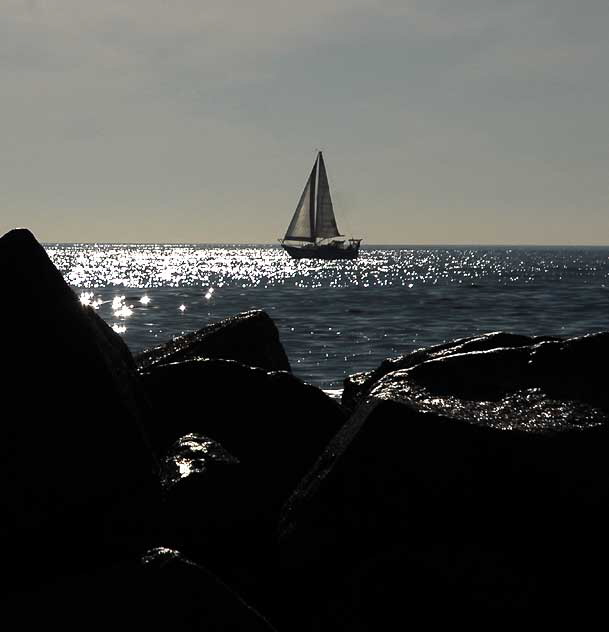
468	482
207	502
76	469
477	480
250	338
275	424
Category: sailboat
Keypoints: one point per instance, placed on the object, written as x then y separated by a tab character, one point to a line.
313	232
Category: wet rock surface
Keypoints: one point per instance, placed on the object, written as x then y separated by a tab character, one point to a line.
250	338
193	456
477	480
216	511
275	424
357	386
205	500
567	370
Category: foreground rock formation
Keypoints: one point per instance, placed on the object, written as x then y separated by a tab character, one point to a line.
76	469
181	490
473	479
99	464
272	424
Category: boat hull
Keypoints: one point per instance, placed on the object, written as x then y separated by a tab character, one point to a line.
322	252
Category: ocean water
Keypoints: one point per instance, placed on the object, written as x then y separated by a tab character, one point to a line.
340	317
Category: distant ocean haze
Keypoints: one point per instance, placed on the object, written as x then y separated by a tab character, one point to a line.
340	317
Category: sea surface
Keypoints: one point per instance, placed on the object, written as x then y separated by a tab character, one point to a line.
341	317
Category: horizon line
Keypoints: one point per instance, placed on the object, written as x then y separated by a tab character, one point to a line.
370	245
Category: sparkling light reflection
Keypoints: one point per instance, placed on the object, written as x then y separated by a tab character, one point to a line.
184	467
118	302
88	299
150	266
353	314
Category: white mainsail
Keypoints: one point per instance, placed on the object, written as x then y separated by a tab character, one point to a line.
314	215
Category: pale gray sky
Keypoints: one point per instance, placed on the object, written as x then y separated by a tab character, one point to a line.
442	121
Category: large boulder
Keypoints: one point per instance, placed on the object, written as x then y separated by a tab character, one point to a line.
225	513
275	424
467	484
250	338
161	591
358	385
76	469
205	500
214	512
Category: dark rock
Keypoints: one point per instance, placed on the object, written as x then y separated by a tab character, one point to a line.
250	338
275	424
214	511
162	591
477	481
75	467
206	500
357	386
205	599
565	369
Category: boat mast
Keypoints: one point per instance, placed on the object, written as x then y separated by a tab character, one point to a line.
318	160
312	199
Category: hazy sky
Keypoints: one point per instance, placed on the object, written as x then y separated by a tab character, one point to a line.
441	121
